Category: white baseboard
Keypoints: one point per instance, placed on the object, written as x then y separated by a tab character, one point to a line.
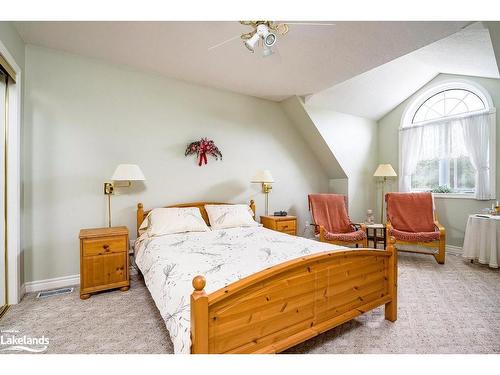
57	282
455	250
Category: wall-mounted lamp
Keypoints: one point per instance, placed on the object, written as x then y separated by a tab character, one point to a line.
384	171
265	178
123	173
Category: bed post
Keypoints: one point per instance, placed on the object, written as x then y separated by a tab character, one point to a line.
391	308
199	317
140	216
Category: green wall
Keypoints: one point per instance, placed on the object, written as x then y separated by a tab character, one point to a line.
83	117
353	141
452	212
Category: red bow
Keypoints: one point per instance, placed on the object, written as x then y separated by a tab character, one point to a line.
201	148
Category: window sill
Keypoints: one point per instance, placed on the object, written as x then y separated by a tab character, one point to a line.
453	195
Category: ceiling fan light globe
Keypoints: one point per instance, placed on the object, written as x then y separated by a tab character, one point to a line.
249	47
262	30
252	42
267	51
270	39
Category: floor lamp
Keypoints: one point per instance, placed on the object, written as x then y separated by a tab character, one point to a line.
384	171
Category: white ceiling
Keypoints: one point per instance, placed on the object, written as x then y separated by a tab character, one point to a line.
310	59
375	93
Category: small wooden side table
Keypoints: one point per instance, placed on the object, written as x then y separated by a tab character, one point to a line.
104	260
284	224
376	233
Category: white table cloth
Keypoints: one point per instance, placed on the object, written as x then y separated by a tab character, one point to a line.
482	239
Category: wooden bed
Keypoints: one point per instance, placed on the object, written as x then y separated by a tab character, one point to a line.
286	304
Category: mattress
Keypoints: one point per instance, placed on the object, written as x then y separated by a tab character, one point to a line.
169	263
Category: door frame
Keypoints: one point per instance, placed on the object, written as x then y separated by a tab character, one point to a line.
13	203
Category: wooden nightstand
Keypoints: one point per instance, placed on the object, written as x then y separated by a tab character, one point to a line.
285	224
104	260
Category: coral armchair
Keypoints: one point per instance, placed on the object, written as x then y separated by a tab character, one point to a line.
412	220
332	223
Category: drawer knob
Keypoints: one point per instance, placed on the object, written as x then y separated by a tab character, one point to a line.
106	247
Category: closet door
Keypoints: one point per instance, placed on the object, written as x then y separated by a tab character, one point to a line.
3	258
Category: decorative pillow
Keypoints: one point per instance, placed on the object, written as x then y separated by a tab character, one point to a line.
175	220
230	216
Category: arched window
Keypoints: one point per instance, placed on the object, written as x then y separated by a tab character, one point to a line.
447	141
447	103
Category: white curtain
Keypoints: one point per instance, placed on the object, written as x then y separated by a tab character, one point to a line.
411	140
476	133
452	138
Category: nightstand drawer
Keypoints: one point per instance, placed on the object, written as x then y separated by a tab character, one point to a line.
286	226
104	245
283	224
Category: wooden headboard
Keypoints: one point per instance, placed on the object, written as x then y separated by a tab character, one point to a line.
141	214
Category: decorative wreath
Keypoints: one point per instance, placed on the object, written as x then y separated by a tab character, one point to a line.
202	148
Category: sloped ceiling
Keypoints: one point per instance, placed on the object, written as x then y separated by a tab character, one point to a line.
310	59
375	93
494	28
297	114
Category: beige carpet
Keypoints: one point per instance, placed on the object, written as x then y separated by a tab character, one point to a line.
453	308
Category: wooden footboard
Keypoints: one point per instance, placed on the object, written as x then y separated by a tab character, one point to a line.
289	303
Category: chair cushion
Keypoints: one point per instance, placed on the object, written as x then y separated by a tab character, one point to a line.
355	236
415	236
329	210
410	212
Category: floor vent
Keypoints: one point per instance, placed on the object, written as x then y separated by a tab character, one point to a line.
54	292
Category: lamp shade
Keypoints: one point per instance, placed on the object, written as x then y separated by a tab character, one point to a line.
263	176
128	172
385	170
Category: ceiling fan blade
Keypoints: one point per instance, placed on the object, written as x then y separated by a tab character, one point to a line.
224	42
309	24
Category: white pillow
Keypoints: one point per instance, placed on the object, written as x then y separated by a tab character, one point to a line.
144	225
175	220
230	216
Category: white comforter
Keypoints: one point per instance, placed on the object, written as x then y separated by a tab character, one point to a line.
223	256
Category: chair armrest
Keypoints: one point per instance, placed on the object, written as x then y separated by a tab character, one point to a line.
316	228
321	233
361	226
439	227
388	229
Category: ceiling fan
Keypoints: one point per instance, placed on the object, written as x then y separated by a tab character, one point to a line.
265	32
